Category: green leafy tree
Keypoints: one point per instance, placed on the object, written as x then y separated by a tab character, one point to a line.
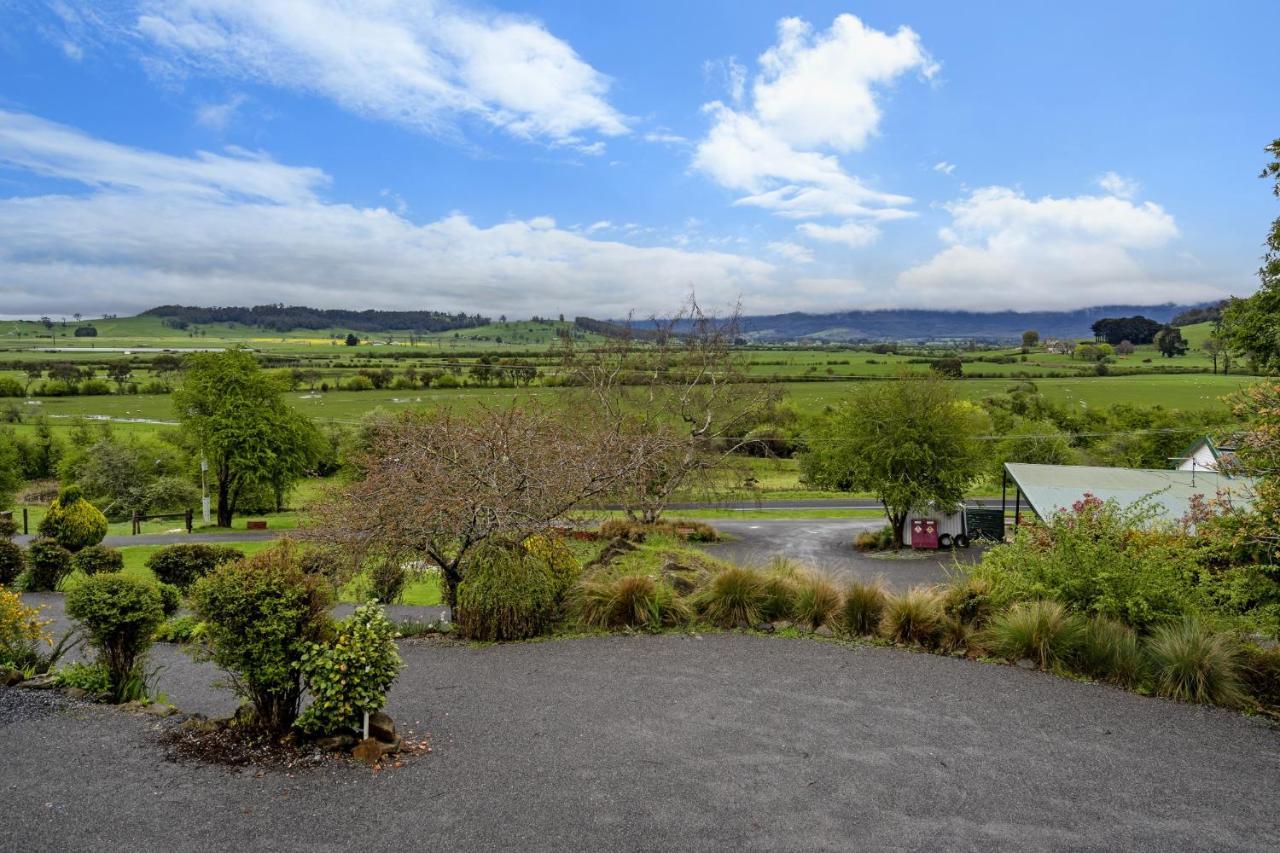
1170	342
1251	327
234	412
10	468
907	442
1029	339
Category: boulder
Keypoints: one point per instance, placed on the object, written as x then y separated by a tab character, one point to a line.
371	750
157	709
781	625
336	743
1026	663
382	727
40	682
76	693
824	631
11	677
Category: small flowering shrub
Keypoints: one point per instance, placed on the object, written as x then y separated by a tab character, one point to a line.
350	675
73	522
22	632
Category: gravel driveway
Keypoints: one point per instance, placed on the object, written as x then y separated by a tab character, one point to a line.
724	742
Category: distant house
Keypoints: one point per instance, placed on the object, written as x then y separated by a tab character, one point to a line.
1057	347
1207	455
1049	489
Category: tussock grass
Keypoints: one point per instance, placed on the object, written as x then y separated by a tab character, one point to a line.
1191	663
969	599
1043	631
863	607
628	601
1109	651
817	602
913	618
955	635
731	597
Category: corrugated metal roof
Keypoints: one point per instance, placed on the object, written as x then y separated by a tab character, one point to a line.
1051	488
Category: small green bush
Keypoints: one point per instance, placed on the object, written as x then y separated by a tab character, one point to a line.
1043	631
628	601
863	608
505	594
1109	651
1260	671
732	597
880	539
91	677
349	675
180	629
1191	663
387	576
119	615
8	527
47	564
913	618
170	598
12	562
183	565
969	599
22	632
72	521
955	635
260	614
817	602
96	559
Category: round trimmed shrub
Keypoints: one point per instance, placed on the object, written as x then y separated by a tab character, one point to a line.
97	559
119	614
8	527
72	521
12	562
506	594
183	565
47	564
259	616
170	598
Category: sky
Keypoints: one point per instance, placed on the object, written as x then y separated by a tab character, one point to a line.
613	158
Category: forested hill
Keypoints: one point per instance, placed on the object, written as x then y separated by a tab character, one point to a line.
901	324
287	318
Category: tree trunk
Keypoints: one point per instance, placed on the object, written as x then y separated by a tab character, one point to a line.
224	501
897	520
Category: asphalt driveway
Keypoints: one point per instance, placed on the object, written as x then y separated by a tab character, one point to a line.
723	742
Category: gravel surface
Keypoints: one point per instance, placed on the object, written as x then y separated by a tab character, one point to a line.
724	742
827	545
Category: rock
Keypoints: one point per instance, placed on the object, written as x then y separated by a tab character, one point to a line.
781	625
336	743
765	627
12	677
741	625
135	705
76	693
1026	663
382	727
371	750
824	631
40	682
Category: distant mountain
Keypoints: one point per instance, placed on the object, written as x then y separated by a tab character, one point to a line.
920	326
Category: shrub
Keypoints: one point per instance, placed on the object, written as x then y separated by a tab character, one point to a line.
387	577
183	565
72	521
1043	631
8	527
1260	672
1191	663
349	676
119	614
170	598
10	387
628	601
1109	651
506	594
180	629
732	597
623	528
969	599
22	632
559	558
874	540
48	563
955	635
816	603
913	618
863	607
97	559
260	613
12	562
91	677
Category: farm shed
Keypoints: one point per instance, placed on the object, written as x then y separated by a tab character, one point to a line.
1208	455
935	527
1048	489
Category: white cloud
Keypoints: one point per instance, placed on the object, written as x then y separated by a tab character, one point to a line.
153	228
417	63
1118	185
217	116
944	167
1009	251
814	98
793	252
855	234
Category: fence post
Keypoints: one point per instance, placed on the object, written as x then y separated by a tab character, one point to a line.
134	527
189	514
25	528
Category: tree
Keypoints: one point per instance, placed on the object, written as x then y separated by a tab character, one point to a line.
908	442
235	414
10	468
1138	329
1213	347
1251	327
120	372
1170	342
352	340
433	486
1029	339
1125	347
33	371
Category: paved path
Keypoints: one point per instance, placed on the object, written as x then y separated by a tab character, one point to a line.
672	743
827	545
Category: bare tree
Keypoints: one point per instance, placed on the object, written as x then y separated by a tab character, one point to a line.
432	485
678	393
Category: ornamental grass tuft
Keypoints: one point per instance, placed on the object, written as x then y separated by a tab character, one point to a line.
628	601
1043	631
816	603
863	607
732	597
913	618
1191	663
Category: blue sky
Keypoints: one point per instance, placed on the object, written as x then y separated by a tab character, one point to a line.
589	158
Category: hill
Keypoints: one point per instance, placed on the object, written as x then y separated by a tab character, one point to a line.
288	318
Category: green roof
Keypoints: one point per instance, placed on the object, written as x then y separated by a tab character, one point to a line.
1051	488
